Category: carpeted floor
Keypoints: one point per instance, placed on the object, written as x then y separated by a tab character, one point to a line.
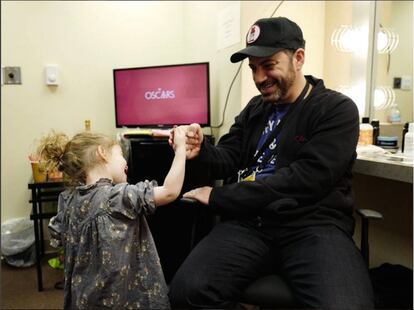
19	288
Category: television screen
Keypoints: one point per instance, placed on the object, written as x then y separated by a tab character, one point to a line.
162	96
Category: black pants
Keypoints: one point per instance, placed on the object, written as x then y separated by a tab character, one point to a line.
321	263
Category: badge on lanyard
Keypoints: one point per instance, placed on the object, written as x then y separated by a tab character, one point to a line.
249	178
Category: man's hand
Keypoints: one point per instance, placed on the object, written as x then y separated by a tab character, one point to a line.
193	142
202	194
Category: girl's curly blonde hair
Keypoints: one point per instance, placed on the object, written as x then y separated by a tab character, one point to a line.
74	157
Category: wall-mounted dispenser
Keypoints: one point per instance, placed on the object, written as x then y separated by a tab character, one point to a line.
52	75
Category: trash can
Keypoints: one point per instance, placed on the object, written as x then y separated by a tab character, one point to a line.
17	242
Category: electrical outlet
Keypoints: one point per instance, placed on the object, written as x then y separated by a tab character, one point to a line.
12	75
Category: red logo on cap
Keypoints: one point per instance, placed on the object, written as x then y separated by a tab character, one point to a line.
253	34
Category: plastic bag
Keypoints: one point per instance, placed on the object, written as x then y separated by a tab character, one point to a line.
26	258
17	235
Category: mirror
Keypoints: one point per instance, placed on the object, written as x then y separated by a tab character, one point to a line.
347	66
369	57
393	63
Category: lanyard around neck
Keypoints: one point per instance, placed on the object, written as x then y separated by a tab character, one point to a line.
278	128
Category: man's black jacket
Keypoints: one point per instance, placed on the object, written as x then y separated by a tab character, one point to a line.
315	155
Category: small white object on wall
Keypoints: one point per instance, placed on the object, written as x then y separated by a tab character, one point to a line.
228	25
52	75
406	82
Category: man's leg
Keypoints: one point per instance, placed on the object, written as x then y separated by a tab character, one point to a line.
325	268
220	267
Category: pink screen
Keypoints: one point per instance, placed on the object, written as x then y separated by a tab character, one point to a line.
170	95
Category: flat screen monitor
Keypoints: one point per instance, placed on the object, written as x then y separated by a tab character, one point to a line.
162	96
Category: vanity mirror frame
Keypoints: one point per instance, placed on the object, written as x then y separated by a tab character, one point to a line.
372	65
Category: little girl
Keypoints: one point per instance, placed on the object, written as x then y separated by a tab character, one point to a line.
110	257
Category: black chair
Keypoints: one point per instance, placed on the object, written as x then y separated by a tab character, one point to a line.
272	291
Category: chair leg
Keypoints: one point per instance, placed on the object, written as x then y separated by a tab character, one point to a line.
366	215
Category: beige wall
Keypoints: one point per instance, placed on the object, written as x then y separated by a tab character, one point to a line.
87	39
201	31
337	68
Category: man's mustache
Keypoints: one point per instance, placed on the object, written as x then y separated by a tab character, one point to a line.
277	82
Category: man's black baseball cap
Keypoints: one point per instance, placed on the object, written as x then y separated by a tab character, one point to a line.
267	36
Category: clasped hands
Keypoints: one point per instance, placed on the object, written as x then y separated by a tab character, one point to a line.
194	139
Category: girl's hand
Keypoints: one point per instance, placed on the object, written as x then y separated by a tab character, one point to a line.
179	137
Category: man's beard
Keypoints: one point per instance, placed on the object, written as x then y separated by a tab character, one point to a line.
283	85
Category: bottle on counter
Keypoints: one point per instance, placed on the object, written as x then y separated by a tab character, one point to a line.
395	115
366	132
405	130
376	131
408	142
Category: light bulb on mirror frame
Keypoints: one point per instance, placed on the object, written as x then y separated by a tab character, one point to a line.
346	38
351	39
387	40
384	97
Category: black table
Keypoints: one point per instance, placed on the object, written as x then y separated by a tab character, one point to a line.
42	192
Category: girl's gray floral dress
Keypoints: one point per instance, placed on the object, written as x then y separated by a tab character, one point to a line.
110	256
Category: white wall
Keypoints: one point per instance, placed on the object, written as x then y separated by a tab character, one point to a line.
87	39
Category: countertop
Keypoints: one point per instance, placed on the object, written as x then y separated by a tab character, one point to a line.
388	166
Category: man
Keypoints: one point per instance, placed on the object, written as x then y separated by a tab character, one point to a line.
290	207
